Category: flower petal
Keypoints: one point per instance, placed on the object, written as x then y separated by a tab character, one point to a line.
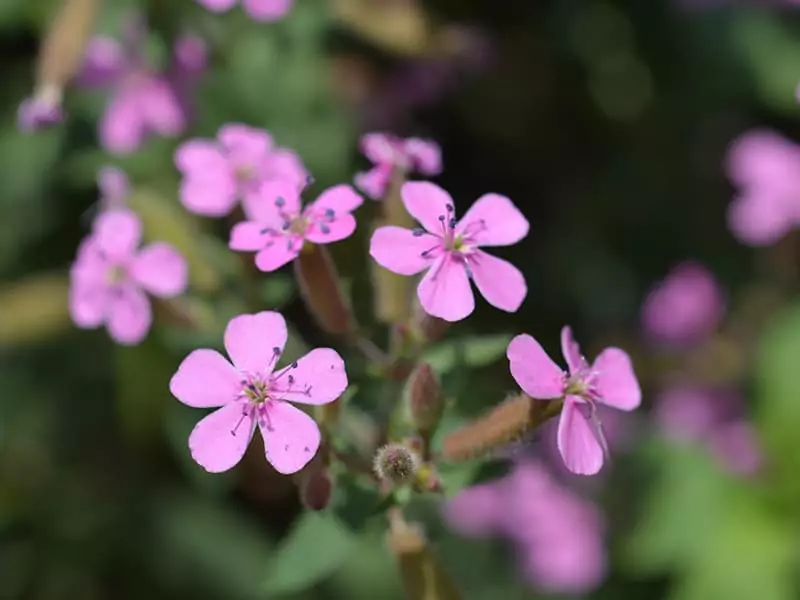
616	382
279	251
205	379
121	128
267	11
324	231
88	304
374	182
285	164
533	370
104	62
493	220
759	219
249	236
291	437
274	202
378	147
400	251
329	215
244	145
219	441
161	270
577	442
571	350
255	342
209	196
113	185
500	282
318	377
425	154
428	204
445	292
117	233
129	316
161	108
200	157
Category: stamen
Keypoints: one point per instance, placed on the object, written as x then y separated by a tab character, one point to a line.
418	232
330	214
324	228
452	223
280	201
449	207
286	225
309	180
241	419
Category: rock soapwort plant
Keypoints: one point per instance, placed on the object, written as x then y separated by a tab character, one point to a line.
299	407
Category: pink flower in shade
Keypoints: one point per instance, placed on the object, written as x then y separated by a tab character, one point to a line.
387	153
40	111
111	275
218	173
251	392
685	307
766	168
259	10
610	381
143	101
278	225
450	251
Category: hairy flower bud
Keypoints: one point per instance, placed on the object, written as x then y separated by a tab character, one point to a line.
426	401
318	281
316	489
395	464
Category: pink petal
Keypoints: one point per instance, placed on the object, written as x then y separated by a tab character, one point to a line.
218	5
274	199
500	282
118	233
577	441
291	437
205	379
210	196
428	204
267	10
318	377
122	128
88	304
759	220
493	221
113	185
477	511
425	154
616	382
444	291
244	144
161	270
533	370
571	350
129	316
329	215
161	109
199	157
104	62
219	441
255	342
764	158
400	251
322	231
374	182
287	165
378	147
249	236
339	198
282	250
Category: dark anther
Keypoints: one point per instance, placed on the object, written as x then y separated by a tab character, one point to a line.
286	225
441	218
276	350
329	213
449	207
294	365
280	201
324	229
452	223
251	387
309	180
290	379
418	232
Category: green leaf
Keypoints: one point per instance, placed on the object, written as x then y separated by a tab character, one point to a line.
277	290
473	351
317	546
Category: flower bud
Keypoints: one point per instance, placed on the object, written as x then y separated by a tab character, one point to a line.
426	327
318	281
427	479
426	401
395	464
316	489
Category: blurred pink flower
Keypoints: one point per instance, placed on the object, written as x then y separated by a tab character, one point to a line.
449	251
110	276
143	101
40	111
683	308
387	153
559	535
251	392
218	173
114	187
610	381
259	10
278	225
766	168
712	417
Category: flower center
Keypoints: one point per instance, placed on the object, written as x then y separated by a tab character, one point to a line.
116	274
244	173
256	391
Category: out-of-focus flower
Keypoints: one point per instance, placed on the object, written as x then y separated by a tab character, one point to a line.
143	101
766	168
610	380
251	392
259	10
218	173
278	225
114	187
559	535
449	251
40	110
712	417
110	277
388	153
685	307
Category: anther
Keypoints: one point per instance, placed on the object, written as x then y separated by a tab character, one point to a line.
324	228
280	201
418	232
449	207
452	223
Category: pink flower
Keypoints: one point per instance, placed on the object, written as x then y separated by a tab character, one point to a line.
252	392
766	167
110	277
610	380
685	307
450	251
114	187
218	173
143	102
387	153
40	111
259	10
278	225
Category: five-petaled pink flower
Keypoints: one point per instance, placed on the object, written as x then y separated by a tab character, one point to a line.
218	173
259	10
610	380
387	153
450	251
110	277
278	225
252	392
